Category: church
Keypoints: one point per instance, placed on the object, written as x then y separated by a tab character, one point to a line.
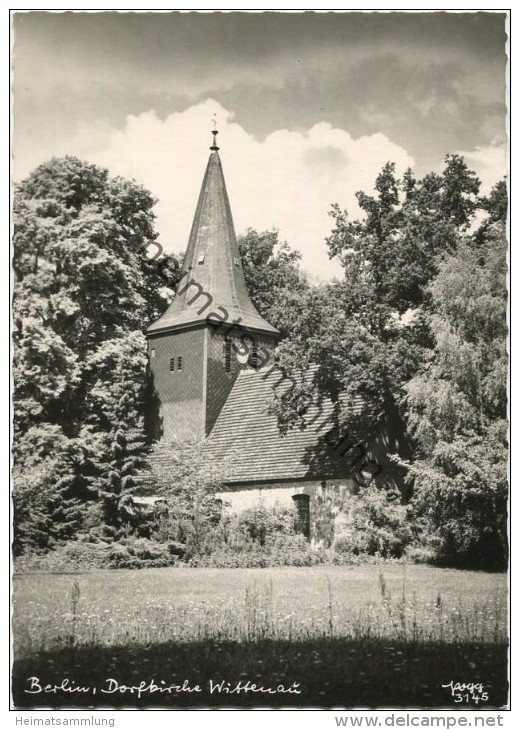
214	375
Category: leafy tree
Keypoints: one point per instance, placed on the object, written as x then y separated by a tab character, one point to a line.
496	203
496	206
189	484
457	407
368	333
53	493
115	417
406	225
411	343
374	522
84	290
276	284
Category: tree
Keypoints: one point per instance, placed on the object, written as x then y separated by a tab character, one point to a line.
189	485
407	225
84	291
368	333
457	408
411	343
496	203
276	284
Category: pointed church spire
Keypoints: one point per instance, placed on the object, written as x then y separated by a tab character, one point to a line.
212	279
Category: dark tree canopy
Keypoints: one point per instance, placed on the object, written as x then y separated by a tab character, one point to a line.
415	332
84	291
496	203
275	281
407	225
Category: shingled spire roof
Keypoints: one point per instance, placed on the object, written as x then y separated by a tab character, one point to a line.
212	262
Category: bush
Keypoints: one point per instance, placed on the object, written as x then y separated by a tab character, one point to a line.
421	554
374	530
284	550
84	555
140	552
263	524
375	524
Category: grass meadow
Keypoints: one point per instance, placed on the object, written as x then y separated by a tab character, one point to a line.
356	636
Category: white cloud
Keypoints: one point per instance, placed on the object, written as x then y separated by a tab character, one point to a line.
489	163
287	181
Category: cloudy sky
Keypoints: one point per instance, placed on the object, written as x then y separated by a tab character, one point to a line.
309	105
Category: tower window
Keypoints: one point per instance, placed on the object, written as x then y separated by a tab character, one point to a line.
201	258
152	353
179	363
227	357
302	522
254	361
172	363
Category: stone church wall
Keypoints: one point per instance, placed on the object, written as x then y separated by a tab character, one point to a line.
325	500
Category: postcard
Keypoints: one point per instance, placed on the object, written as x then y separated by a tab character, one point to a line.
260	364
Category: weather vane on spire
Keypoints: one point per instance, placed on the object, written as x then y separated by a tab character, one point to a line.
214	132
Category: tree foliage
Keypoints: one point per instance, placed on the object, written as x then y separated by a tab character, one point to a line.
457	406
405	226
274	279
368	332
414	335
189	485
84	290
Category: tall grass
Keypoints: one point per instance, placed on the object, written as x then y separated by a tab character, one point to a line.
258	615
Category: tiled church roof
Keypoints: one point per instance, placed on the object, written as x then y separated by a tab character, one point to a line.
247	440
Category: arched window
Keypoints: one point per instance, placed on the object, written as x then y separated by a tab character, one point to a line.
302	517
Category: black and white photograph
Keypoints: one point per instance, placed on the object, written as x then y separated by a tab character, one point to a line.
260	322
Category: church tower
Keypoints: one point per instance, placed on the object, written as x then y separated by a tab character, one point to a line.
211	330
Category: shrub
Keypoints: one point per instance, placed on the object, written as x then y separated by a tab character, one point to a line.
263	524
375	524
84	555
283	550
421	554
